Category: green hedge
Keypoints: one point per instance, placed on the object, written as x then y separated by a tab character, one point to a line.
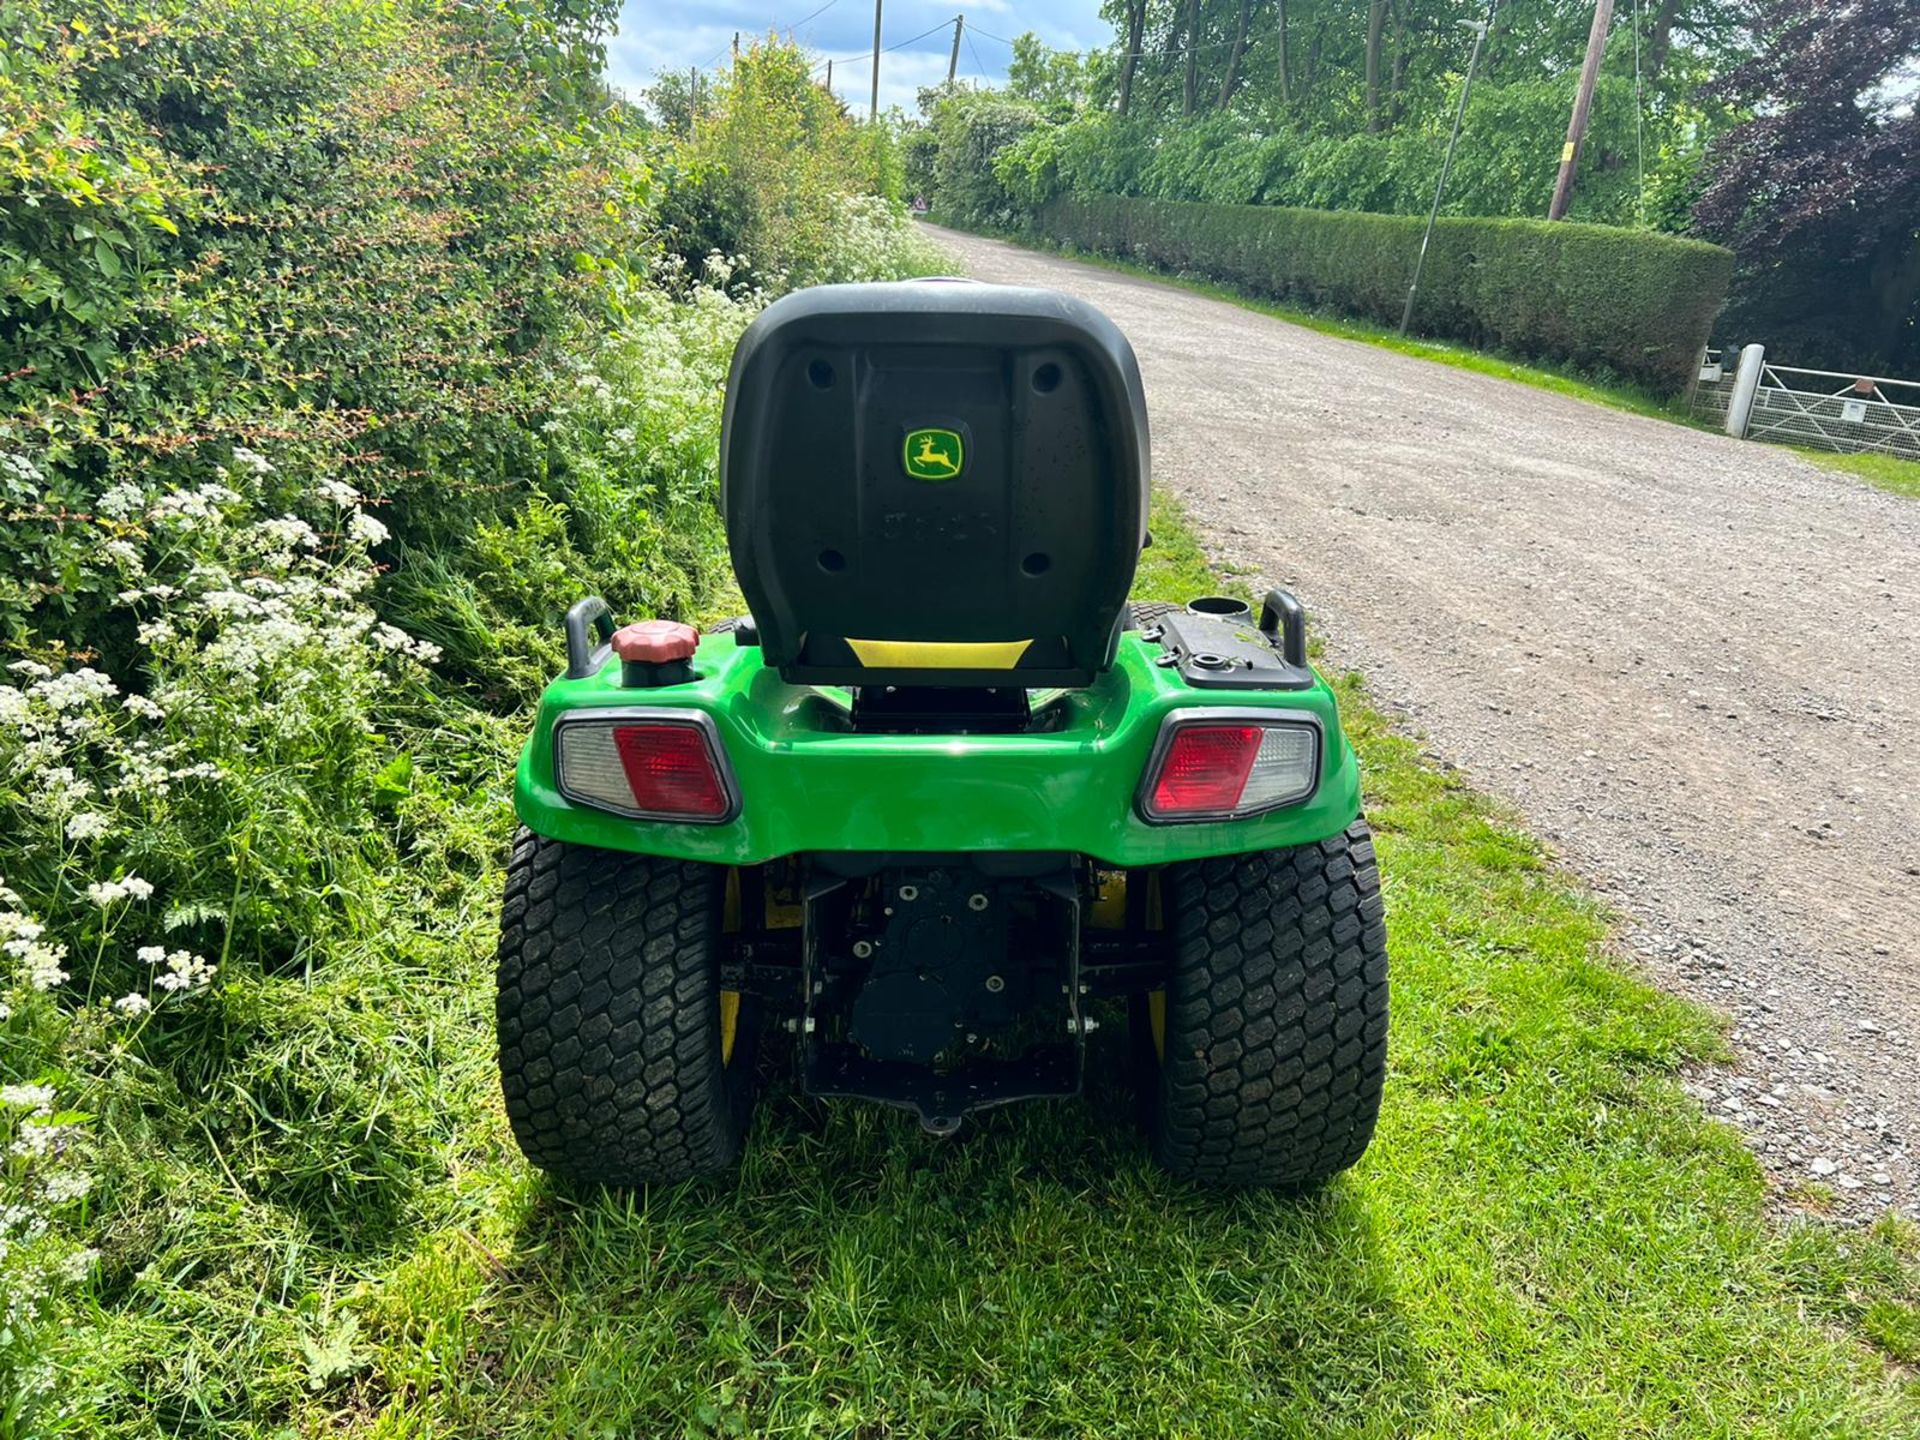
1627	301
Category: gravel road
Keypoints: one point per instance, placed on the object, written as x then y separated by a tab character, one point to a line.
1693	664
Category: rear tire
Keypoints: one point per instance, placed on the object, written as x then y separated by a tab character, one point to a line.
609	1016
1275	1018
1142	613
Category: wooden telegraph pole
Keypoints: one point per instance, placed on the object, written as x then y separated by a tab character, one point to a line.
873	105
953	60
1582	107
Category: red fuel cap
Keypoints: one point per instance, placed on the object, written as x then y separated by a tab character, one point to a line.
656	642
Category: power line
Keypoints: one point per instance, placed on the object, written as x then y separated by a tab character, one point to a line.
708	64
1101	50
981	65
867	55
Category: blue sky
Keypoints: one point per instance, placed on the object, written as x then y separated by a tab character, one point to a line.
657	35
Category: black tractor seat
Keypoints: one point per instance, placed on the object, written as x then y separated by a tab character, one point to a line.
935	484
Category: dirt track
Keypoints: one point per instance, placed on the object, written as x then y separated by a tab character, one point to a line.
1693	663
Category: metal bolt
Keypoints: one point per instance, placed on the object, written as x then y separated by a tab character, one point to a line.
909	893
863	948
996	984
977	901
1085	1025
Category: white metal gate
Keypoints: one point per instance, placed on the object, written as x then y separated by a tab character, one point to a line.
1820	409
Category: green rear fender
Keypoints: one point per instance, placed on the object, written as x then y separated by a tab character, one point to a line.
806	783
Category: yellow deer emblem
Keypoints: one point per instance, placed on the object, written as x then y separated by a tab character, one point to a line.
933	454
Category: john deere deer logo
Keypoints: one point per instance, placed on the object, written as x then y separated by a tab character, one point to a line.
934	454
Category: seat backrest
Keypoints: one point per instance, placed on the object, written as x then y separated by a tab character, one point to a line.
935	483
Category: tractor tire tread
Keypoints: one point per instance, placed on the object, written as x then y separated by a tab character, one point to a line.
1276	1015
606	1012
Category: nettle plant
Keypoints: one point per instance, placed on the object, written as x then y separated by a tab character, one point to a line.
210	804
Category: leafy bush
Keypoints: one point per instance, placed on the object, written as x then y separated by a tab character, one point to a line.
338	354
1224	159
1628	302
973	127
762	177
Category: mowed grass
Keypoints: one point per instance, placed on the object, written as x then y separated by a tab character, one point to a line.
1548	1237
1887	472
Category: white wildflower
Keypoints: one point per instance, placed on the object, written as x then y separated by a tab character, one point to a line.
337	492
288	533
87	825
32	669
36	1139
66	1186
74	689
252	460
110	892
40	962
143	707
364	528
133	1003
121	501
38	1098
77	1266
185	971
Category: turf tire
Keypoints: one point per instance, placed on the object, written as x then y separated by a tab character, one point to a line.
608	1015
1276	1015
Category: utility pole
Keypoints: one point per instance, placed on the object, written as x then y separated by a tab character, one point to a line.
953	60
736	46
1582	105
873	106
1480	30
829	76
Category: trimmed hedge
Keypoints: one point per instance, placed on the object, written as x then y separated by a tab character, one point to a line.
1627	301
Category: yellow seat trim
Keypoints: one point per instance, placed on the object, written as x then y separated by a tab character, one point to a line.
940	654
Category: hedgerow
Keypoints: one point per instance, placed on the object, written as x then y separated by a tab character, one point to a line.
1625	302
340	350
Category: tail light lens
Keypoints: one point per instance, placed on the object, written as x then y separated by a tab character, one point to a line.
1213	767
652	769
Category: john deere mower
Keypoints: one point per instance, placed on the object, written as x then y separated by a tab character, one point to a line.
943	795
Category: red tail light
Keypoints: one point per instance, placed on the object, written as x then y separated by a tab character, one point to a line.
671	771
1204	769
651	769
1208	768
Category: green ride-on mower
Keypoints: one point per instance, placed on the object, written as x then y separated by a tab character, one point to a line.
944	790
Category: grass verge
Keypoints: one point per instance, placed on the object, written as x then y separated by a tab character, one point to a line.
1885	472
1549	1236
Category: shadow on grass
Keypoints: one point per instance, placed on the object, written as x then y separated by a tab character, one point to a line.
1033	1276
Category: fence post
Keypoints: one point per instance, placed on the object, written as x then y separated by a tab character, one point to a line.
1746	384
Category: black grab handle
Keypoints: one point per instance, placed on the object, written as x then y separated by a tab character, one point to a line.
584	658
1280	605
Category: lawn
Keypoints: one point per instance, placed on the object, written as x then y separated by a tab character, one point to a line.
1548	1237
1888	472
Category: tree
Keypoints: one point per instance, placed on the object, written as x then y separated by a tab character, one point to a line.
1819	191
1053	80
